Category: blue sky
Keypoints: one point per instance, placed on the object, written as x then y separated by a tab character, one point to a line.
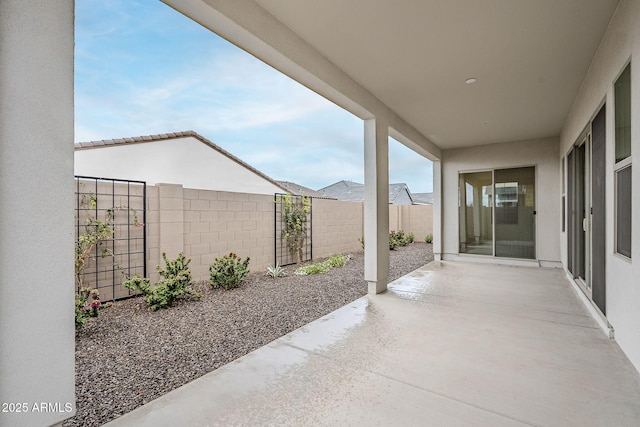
142	68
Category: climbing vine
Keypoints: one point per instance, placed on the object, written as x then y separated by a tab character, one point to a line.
295	212
96	233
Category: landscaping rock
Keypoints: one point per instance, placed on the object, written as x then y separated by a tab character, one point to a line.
130	355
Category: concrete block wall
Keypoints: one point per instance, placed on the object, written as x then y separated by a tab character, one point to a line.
218	222
152	228
416	219
395	219
337	226
171	219
206	224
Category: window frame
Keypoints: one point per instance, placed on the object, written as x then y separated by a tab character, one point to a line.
627	165
620	165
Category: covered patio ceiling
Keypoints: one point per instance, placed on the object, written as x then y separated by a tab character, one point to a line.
528	58
412	57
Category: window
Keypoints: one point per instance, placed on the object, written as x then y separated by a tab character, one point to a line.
622	93
623	211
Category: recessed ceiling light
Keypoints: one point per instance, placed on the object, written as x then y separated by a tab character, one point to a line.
471	81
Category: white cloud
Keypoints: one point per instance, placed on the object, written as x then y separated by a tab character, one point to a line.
210	98
160	72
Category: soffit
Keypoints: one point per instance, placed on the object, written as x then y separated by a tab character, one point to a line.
529	59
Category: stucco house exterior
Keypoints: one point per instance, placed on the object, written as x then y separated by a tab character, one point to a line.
185	158
530	112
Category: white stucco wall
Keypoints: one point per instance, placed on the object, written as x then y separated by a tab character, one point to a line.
542	153
185	161
37	336
620	44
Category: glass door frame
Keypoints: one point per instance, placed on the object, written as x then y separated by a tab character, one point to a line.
491	196
584	224
493	212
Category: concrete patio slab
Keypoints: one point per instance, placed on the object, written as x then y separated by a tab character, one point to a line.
449	344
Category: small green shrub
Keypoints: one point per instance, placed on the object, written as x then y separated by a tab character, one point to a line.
176	270
88	305
400	238
318	268
324	266
429	238
138	284
337	260
277	271
396	239
393	243
228	271
176	278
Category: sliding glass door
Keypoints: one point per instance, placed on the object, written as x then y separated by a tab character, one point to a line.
497	213
586	211
476	222
515	212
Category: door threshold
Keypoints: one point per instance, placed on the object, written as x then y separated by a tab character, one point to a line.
593	310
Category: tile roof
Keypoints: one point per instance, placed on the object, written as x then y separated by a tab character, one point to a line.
395	191
299	190
423	198
344	190
172	135
354	191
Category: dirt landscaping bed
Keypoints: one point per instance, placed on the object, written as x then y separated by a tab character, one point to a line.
130	355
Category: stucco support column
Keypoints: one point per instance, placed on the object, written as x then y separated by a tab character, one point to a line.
437	211
37	333
376	205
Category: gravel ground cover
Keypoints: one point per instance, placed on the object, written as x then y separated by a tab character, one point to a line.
130	355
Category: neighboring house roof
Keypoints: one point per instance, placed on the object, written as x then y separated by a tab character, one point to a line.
173	135
422	198
344	190
300	190
399	194
353	191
